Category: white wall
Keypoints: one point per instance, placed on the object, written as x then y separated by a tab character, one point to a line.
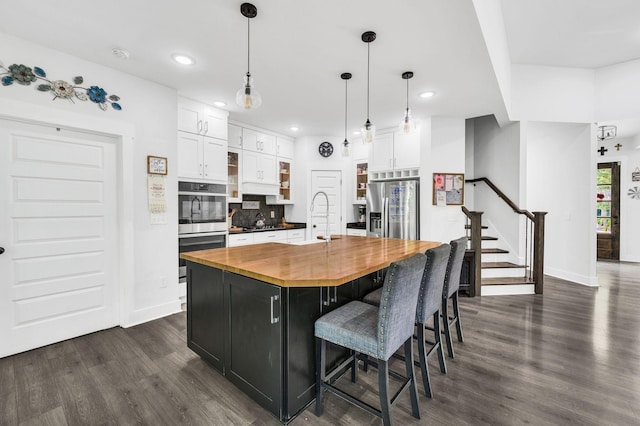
629	159
442	151
617	91
497	157
561	181
150	111
552	94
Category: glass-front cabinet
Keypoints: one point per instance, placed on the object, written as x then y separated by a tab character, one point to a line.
233	180
284	174
603	200
362	177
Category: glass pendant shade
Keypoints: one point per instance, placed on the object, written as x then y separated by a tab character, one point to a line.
408	124
368	132
248	97
345	148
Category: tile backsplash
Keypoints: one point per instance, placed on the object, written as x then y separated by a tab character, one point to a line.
247	218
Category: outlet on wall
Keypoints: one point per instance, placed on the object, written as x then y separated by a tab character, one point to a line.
273	214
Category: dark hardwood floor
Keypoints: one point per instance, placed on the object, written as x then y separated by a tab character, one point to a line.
571	356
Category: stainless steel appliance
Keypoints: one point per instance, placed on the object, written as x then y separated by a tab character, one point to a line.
202	219
393	209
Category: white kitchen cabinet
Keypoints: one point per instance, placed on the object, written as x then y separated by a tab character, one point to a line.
395	155
270	237
234	174
236	240
259	168
284	148
201	157
295	235
357	232
234	136
201	119
362	178
258	142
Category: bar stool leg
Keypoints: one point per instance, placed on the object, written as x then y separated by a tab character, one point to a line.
446	324
456	312
354	367
383	385
321	347
438	339
424	362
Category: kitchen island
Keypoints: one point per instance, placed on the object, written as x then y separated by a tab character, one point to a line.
251	309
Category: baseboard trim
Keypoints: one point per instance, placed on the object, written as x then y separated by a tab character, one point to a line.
152	313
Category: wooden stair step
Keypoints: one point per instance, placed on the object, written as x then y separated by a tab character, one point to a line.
494	251
486	238
469	227
491	265
507	281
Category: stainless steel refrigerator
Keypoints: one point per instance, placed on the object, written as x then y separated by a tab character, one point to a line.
393	209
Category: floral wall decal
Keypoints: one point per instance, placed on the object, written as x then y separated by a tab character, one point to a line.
24	75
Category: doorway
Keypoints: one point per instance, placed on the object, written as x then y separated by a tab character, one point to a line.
608	211
59	228
330	182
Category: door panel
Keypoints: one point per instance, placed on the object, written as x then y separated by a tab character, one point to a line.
330	182
58	226
608	211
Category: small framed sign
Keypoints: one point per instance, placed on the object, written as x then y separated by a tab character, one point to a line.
156	165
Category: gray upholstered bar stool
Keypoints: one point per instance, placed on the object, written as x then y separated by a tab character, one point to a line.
450	291
429	302
377	332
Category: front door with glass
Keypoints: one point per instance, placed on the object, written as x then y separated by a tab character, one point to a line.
608	211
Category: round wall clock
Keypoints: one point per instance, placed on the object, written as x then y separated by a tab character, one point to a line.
325	149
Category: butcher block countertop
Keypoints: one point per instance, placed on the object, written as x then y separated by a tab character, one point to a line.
311	265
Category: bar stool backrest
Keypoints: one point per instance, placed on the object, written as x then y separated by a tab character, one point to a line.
398	303
430	296
454	268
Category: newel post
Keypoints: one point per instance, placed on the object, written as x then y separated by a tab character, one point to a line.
538	251
476	246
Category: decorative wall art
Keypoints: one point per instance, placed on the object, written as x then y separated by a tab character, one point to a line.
156	165
634	193
60	89
635	175
448	189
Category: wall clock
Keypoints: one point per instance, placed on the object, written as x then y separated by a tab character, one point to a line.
325	149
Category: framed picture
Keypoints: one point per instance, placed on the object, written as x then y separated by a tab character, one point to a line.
448	189
156	165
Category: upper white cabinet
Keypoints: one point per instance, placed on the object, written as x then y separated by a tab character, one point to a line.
284	148
258	142
259	169
395	155
201	157
234	136
202	142
201	119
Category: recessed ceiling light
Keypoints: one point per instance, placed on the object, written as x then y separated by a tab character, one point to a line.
294	128
183	59
120	53
220	104
426	95
356	133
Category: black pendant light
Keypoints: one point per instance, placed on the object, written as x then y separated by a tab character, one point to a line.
346	76
247	97
368	130
408	124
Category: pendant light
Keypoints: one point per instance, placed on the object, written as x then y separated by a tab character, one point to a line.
345	145
247	97
408	124
368	130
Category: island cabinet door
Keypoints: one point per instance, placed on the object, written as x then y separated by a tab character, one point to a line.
205	313
332	298
253	356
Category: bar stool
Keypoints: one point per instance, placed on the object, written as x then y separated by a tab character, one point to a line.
450	291
377	332
429	302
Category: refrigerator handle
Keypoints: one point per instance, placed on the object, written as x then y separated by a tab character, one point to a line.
385	217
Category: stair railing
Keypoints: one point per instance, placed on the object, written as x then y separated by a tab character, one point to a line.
474	220
534	236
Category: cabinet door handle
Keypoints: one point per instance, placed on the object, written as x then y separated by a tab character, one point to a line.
326	301
334	299
200	170
199	126
274	320
206	127
206	170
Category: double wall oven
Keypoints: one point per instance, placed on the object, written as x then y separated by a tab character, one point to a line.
202	218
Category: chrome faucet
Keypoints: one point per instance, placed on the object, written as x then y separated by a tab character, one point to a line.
327	236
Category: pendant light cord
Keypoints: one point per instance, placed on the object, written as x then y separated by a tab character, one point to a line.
248	44
407	94
368	59
346	100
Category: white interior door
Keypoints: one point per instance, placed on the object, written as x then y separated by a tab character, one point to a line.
58	226
330	182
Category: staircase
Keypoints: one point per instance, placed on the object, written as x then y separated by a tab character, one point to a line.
493	273
498	275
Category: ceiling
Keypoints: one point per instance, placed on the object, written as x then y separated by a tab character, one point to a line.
299	49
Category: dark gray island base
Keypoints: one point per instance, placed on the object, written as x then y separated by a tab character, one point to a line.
260	336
